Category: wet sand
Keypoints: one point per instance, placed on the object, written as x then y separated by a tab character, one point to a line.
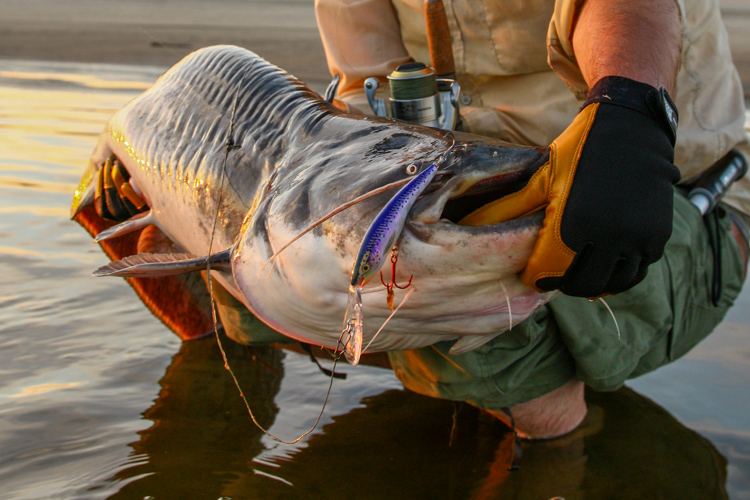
161	33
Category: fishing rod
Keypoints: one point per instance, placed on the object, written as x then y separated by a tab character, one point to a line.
712	185
708	190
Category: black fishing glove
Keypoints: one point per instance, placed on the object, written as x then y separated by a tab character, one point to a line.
607	191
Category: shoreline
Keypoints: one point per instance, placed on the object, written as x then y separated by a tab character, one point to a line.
140	32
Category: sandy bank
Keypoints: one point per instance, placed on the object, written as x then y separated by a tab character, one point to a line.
161	32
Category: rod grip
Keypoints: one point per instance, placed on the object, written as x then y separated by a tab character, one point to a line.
439	39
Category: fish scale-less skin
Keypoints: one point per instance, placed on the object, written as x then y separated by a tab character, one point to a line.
298	158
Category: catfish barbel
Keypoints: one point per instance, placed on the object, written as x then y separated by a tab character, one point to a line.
293	159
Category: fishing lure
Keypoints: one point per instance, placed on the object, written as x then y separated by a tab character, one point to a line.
386	228
380	238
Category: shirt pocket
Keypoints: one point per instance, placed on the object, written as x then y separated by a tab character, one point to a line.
516	32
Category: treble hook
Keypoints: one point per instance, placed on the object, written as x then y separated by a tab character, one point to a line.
389	286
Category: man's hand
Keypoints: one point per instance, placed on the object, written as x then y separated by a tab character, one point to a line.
607	189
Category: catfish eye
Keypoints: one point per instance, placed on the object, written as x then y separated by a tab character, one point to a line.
412	169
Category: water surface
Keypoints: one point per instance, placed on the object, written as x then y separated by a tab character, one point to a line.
99	400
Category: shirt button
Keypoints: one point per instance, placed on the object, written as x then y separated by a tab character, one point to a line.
465	100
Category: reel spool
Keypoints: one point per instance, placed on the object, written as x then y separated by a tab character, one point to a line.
417	96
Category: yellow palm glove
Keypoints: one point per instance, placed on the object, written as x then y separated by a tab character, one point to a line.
606	191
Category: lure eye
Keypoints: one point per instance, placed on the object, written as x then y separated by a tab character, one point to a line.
412	169
364	268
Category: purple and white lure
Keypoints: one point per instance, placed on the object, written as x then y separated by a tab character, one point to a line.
376	246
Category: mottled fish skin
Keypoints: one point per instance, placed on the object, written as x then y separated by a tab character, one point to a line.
387	227
296	159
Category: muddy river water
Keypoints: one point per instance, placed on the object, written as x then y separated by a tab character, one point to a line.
99	400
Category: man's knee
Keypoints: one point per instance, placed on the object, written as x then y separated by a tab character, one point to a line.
548	416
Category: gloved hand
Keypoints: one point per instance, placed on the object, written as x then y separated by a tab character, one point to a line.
607	189
115	198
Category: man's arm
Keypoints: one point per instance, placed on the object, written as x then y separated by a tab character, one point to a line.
637	39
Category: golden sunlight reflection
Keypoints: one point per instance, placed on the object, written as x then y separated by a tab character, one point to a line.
46	137
50	127
36	390
34	210
19	252
85	80
36	185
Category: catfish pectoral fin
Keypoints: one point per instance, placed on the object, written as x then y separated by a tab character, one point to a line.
130	225
152	265
470	342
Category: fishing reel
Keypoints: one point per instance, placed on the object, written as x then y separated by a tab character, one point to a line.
417	96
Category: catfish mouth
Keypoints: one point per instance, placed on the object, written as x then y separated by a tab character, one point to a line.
480	194
454	197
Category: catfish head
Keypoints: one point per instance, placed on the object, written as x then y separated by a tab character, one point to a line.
464	278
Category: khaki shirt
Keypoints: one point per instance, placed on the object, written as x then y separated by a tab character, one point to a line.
518	73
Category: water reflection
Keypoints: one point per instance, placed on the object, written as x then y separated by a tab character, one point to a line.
202	441
397	444
202	445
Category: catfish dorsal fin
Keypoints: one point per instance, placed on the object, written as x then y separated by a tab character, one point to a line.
130	225
152	265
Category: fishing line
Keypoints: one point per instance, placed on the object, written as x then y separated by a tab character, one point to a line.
335	211
230	145
387	320
444	157
441	160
